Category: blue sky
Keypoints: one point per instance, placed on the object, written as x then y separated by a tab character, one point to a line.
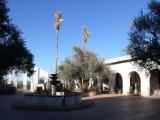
107	20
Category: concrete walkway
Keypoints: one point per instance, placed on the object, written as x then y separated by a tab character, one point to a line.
104	96
107	107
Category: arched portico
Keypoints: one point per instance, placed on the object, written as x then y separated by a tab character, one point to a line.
134	78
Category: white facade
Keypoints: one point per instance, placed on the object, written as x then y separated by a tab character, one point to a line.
39	77
133	76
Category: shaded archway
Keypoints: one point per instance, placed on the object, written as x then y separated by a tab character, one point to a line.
155	81
118	83
135	83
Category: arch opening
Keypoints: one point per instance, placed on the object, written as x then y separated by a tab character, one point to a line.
155	82
118	83
135	83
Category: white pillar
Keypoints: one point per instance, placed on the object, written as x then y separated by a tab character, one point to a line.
9	76
34	81
126	84
24	78
32	86
145	84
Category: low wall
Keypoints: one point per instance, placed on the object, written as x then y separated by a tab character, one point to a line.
68	99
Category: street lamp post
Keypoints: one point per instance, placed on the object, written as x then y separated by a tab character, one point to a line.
57	25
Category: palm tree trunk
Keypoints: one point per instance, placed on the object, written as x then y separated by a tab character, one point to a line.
84	45
56	51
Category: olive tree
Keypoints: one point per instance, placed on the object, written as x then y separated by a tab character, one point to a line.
82	66
144	37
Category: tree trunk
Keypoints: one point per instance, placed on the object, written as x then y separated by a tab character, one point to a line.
99	84
82	85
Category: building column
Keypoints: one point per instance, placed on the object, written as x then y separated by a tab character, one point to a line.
9	77
145	84
126	84
24	78
32	86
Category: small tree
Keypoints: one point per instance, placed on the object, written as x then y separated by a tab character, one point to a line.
14	54
55	82
144	37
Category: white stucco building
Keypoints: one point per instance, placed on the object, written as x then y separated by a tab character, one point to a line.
131	78
25	83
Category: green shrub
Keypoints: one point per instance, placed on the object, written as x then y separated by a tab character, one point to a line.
7	89
59	87
39	90
93	88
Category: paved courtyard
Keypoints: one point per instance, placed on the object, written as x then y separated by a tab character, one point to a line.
107	107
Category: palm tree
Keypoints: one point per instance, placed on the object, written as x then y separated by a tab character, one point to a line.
57	25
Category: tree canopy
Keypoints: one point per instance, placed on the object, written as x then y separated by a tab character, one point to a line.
14	54
144	37
82	66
